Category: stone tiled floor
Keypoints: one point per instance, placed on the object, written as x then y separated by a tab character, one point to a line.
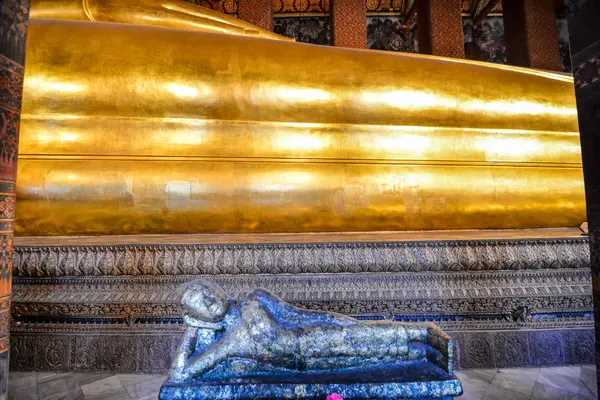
568	383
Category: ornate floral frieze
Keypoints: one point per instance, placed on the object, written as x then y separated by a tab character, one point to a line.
324	6
300	6
234	259
152	353
315	287
467	280
456	300
128	321
387	5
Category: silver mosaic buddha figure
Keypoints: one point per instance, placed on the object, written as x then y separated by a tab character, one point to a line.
261	334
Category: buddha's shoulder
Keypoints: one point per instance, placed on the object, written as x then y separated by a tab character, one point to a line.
258	294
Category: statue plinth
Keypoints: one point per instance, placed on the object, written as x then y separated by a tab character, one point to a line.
409	380
261	347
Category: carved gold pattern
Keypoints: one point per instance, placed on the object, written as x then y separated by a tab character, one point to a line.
300	6
386	5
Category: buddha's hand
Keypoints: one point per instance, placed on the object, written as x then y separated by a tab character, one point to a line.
186	349
203	363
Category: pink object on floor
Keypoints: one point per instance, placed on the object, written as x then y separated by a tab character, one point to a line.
334	396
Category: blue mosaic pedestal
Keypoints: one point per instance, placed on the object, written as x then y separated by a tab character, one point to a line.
407	380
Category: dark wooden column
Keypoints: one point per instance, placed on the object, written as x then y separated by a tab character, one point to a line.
14	15
439	24
257	12
530	34
584	33
349	19
515	33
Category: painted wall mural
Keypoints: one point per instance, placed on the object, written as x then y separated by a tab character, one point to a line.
305	29
485	42
388	32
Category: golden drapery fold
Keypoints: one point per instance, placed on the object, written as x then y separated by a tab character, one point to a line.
175	14
133	129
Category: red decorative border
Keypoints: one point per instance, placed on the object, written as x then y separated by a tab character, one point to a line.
385	5
300	6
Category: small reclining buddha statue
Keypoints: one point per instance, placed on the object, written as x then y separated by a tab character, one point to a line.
260	333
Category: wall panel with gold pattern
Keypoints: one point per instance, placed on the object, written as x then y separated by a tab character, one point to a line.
300	6
386	5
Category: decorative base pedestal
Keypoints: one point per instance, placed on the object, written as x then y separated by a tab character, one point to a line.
508	298
411	380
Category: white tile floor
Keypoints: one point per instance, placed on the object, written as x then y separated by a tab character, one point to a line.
566	383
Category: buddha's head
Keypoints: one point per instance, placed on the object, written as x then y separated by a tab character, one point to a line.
204	301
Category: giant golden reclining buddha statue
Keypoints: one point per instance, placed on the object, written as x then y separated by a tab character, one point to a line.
148	116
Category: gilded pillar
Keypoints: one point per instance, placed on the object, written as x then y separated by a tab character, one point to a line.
14	15
257	12
584	34
530	33
439	24
349	19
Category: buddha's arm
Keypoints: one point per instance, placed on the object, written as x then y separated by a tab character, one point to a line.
202	363
289	314
167	13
